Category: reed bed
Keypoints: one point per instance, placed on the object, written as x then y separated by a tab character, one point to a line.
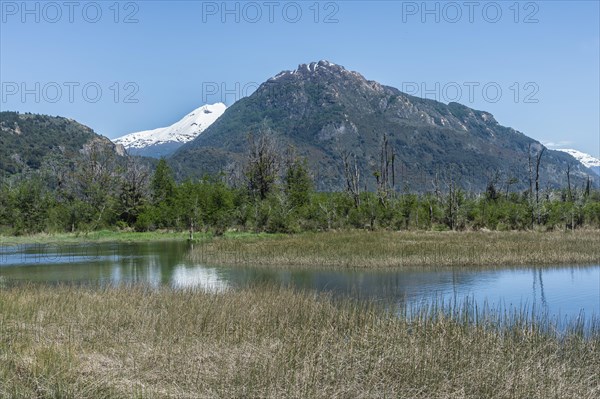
387	249
70	342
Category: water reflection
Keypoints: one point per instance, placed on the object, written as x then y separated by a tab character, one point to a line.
563	291
201	277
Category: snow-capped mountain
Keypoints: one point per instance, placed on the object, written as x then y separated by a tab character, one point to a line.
586	159
165	140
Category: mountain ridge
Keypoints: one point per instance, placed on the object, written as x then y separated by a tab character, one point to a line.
323	110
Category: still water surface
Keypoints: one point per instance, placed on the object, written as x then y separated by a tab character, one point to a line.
562	292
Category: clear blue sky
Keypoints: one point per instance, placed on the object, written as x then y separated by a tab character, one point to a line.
173	56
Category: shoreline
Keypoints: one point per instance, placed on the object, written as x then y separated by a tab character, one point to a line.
363	249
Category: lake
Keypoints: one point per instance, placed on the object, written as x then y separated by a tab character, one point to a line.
564	292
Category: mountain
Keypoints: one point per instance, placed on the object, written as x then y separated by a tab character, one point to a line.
324	110
26	140
586	159
165	140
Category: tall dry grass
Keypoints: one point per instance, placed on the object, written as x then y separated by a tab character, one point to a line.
382	249
272	342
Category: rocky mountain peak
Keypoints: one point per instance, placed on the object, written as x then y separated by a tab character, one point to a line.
321	68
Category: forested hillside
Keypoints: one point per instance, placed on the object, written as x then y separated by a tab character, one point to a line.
27	140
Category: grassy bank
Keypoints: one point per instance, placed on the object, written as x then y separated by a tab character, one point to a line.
120	236
267	342
94	236
396	249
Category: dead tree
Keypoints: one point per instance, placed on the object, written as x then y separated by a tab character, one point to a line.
569	192
352	175
93	180
491	189
530	164
509	182
262	166
587	187
385	176
453	203
535	210
134	189
537	183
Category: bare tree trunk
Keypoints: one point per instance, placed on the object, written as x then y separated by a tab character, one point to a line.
587	187
430	213
393	169
352	174
537	183
569	193
436	187
530	198
386	162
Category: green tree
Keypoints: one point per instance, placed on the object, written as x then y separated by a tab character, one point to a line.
298	183
5	205
163	190
30	203
163	183
219	207
189	206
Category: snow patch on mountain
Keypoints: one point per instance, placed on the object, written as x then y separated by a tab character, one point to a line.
586	159
181	132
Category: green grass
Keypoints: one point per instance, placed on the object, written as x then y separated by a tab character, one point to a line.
276	343
118	236
386	249
95	236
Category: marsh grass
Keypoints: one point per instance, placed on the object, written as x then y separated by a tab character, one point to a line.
386	249
274	342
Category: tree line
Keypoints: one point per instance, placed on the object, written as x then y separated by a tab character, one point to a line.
272	192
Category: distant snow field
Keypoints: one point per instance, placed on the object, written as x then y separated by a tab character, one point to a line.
171	137
586	159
